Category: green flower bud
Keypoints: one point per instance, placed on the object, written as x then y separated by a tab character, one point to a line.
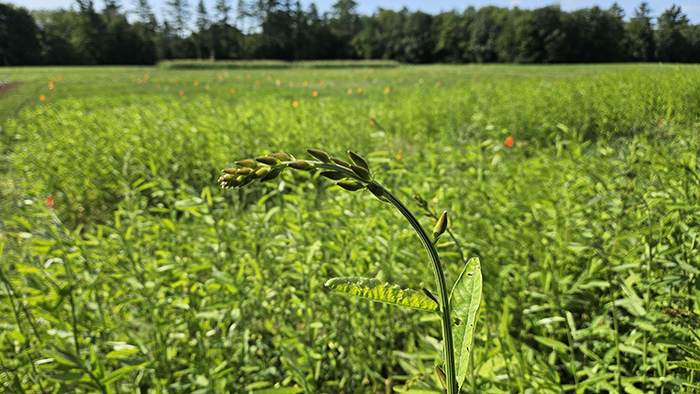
301	165
247	163
377	190
238	181
420	201
441	226
269	160
272	174
359	161
340	162
361	173
244	171
333	175
230	170
350	185
320	155
281	156
261	172
225	178
244	181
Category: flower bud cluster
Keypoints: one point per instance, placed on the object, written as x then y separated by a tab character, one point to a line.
350	176
265	168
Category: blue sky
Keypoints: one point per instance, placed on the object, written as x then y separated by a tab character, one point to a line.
690	7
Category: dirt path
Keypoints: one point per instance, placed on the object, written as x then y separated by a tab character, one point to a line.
6	88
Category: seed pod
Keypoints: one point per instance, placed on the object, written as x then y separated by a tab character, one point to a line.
230	170
269	160
247	163
441	376
272	174
244	171
441	226
361	172
377	190
320	155
260	173
301	165
350	185
281	156
333	175
340	162
359	161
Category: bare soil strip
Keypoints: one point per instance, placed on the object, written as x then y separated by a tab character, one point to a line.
7	87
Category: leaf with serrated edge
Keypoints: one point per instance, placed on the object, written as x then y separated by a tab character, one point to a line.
694	365
373	289
464	306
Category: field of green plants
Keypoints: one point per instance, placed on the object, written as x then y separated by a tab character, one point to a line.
125	268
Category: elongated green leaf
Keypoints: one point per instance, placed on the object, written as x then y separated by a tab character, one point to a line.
553	343
373	289
281	390
119	373
694	365
464	307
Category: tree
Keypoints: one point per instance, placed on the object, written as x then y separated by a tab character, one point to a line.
179	15
448	34
202	17
222	10
19	44
671	45
242	13
595	35
418	43
345	24
692	36
484	30
640	35
89	30
276	40
144	12
111	10
202	27
56	29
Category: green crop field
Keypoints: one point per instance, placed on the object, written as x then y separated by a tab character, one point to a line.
124	267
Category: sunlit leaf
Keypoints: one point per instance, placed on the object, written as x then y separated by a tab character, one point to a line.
465	300
373	289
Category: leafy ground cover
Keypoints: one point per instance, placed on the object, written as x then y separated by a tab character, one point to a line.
125	269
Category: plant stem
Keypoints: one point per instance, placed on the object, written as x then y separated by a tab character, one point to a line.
448	346
617	335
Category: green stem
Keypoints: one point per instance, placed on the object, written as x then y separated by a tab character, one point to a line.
618	373
448	346
443	296
647	296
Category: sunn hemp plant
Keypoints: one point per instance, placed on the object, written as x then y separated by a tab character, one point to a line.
458	311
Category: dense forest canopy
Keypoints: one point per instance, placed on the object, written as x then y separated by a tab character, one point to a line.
272	29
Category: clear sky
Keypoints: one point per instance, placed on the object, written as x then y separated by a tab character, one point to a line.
690	7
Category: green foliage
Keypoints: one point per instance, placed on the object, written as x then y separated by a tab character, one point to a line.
288	32
465	300
373	289
586	229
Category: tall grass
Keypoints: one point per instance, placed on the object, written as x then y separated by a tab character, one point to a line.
147	277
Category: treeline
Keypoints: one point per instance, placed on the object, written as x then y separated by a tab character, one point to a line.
272	29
